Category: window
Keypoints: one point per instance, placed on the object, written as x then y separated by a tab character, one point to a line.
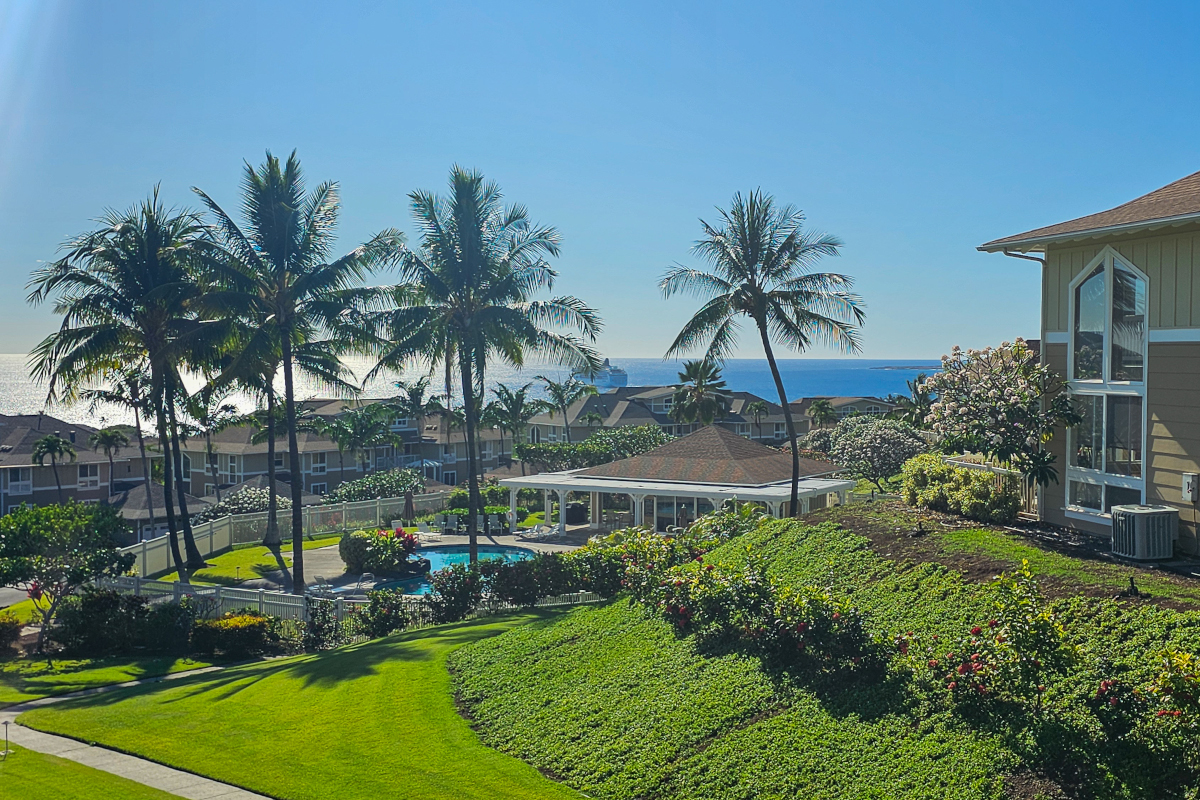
89	476
233	469
743	429
450	478
535	436
279	461
318	463
319	488
20	480
1105	451
209	489
780	430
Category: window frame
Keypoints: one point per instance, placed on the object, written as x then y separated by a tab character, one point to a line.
1108	258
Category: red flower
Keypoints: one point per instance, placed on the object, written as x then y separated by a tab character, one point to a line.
952	685
976	630
933	662
993	624
1112	701
35	591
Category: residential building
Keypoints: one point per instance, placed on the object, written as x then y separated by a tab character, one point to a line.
86	479
651	405
843	406
134	507
1120	320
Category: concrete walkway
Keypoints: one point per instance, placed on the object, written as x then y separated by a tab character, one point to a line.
149	773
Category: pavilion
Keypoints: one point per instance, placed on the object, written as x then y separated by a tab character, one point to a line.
688	477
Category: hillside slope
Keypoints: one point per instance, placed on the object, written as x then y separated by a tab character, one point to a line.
618	705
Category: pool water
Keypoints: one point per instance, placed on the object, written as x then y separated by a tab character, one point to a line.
441	557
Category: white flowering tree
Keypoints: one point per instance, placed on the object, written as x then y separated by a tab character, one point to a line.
1003	403
874	448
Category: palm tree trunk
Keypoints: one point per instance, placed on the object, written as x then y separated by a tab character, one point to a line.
137	422
289	402
473	505
168	476
194	559
57	482
787	416
110	474
212	463
271	537
566	424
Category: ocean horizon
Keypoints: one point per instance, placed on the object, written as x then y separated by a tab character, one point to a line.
802	377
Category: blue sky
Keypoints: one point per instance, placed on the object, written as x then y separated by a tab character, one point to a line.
912	131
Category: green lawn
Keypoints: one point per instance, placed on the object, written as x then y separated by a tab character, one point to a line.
26	775
367	721
245	563
29	679
24	611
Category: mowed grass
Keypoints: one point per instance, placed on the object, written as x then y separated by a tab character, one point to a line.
367	721
29	679
246	563
26	775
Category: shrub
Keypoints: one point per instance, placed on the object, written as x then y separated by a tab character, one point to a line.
378	485
237	634
322	631
10	630
456	591
387	611
598	569
874	448
100	622
818	440
250	500
523	583
501	511
930	482
382	552
602	447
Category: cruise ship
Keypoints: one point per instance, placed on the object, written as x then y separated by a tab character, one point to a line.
607	377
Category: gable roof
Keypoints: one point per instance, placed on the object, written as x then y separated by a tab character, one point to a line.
19	432
1174	203
712	455
132	503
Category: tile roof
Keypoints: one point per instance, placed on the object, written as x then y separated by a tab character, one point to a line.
1178	201
132	503
18	432
712	455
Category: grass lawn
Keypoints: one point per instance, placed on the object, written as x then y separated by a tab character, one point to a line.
367	721
246	563
24	611
29	679
536	518
26	775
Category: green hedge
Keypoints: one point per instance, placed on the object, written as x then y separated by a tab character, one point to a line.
928	481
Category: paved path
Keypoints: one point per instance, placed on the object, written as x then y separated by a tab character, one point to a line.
173	781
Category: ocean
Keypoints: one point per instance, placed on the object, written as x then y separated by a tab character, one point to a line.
802	377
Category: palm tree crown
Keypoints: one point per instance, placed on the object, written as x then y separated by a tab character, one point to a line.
701	394
822	412
111	441
57	449
761	261
758	409
561	395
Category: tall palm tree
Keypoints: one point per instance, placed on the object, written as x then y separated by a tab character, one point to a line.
359	430
128	294
561	395
822	412
915	408
57	449
761	259
591	419
758	409
278	267
111	441
467	296
413	401
514	408
701	394
211	414
128	388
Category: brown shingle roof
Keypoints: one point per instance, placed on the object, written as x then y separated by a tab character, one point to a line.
19	432
1180	199
712	455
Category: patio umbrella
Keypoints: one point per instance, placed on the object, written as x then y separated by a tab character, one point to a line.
410	509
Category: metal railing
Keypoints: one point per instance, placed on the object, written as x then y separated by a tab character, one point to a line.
153	556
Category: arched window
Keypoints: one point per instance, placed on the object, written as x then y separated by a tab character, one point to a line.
1107	368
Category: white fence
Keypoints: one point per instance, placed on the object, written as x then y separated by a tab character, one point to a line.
223	599
1029	494
154	555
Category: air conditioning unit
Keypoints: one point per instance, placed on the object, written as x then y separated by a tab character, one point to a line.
1144	533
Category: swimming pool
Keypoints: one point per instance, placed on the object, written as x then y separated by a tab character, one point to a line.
440	557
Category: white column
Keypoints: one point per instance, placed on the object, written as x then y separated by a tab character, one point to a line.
774	507
512	510
595	511
805	505
638	507
562	511
546	506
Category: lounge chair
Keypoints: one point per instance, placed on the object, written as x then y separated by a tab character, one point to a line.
493	525
451	523
427	534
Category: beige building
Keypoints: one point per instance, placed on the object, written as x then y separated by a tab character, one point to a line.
1121	321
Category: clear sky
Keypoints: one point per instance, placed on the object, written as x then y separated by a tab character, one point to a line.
914	131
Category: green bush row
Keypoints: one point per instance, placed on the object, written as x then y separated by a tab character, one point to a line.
929	482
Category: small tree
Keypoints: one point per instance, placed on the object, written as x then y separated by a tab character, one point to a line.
111	441
701	395
57	449
758	409
822	412
873	448
1003	403
51	551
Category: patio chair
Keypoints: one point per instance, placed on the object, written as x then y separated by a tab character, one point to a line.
480	522
493	524
451	523
426	534
320	587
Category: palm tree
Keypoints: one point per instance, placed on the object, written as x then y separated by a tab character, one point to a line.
758	409
128	390
57	449
761	258
514	408
210	414
822	412
414	402
561	395
701	394
127	294
591	419
467	296
277	267
358	430
111	441
915	408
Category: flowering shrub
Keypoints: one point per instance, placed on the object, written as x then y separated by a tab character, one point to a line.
874	448
1177	688
523	583
10	631
1118	706
456	591
1000	402
387	611
818	440
598	569
235	635
382	552
603	446
250	500
378	485
930	482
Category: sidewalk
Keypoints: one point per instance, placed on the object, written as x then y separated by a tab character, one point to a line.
149	773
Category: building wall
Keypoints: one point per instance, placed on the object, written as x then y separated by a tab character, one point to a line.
45	491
